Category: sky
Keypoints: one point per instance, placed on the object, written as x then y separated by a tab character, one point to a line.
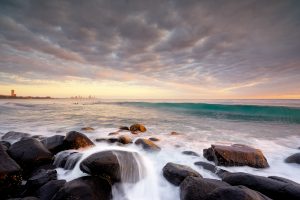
158	49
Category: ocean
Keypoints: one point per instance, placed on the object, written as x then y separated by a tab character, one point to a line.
270	125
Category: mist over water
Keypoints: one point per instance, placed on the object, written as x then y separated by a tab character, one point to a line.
272	126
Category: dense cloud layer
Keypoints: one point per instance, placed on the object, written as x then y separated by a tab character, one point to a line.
216	44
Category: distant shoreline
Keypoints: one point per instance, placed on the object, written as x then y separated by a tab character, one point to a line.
21	97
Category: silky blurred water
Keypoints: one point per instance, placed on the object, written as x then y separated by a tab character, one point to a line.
278	136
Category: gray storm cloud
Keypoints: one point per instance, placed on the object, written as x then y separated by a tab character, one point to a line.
213	43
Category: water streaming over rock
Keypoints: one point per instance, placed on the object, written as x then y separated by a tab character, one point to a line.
67	159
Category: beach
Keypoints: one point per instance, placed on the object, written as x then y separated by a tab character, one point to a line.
177	126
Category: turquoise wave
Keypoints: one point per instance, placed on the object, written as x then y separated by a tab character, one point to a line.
234	112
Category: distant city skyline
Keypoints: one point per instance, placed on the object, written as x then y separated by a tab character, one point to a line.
142	49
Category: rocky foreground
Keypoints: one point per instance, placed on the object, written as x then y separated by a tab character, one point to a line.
28	170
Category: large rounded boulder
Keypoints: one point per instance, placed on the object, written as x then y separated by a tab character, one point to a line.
85	188
10	173
236	155
13	136
295	158
76	140
176	173
30	152
195	188
54	143
115	165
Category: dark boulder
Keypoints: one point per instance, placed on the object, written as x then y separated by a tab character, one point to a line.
39	179
176	173
110	163
190	153
76	140
13	136
137	128
235	193
25	198
30	153
210	167
10	173
148	145
54	143
196	188
5	145
295	158
275	189
85	188
47	191
67	159
236	155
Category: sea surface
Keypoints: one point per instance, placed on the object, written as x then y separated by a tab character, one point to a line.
270	125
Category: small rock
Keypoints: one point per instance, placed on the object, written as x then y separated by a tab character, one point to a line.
125	139
76	140
87	129
154	139
174	133
124	128
190	153
148	145
113	133
295	158
194	188
176	173
137	127
85	188
54	143
236	155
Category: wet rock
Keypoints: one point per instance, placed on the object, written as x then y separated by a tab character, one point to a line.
47	191
176	173
76	140
30	153
148	145
10	173
190	153
236	155
54	143
125	139
13	136
87	129
210	167
67	159
275	189
85	188
5	145
175	133
106	164
114	133
25	198
295	158
235	193
282	179
112	140
124	128
154	139
39	179
196	188
137	128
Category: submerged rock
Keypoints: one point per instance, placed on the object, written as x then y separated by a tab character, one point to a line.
137	128
236	155
113	133
176	173
175	133
274	188
30	153
148	145
87	129
295	158
76	140
10	173
235	193
54	143
85	188
196	188
190	153
154	139
110	164
124	128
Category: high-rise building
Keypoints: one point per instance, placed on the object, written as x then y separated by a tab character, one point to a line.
13	93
